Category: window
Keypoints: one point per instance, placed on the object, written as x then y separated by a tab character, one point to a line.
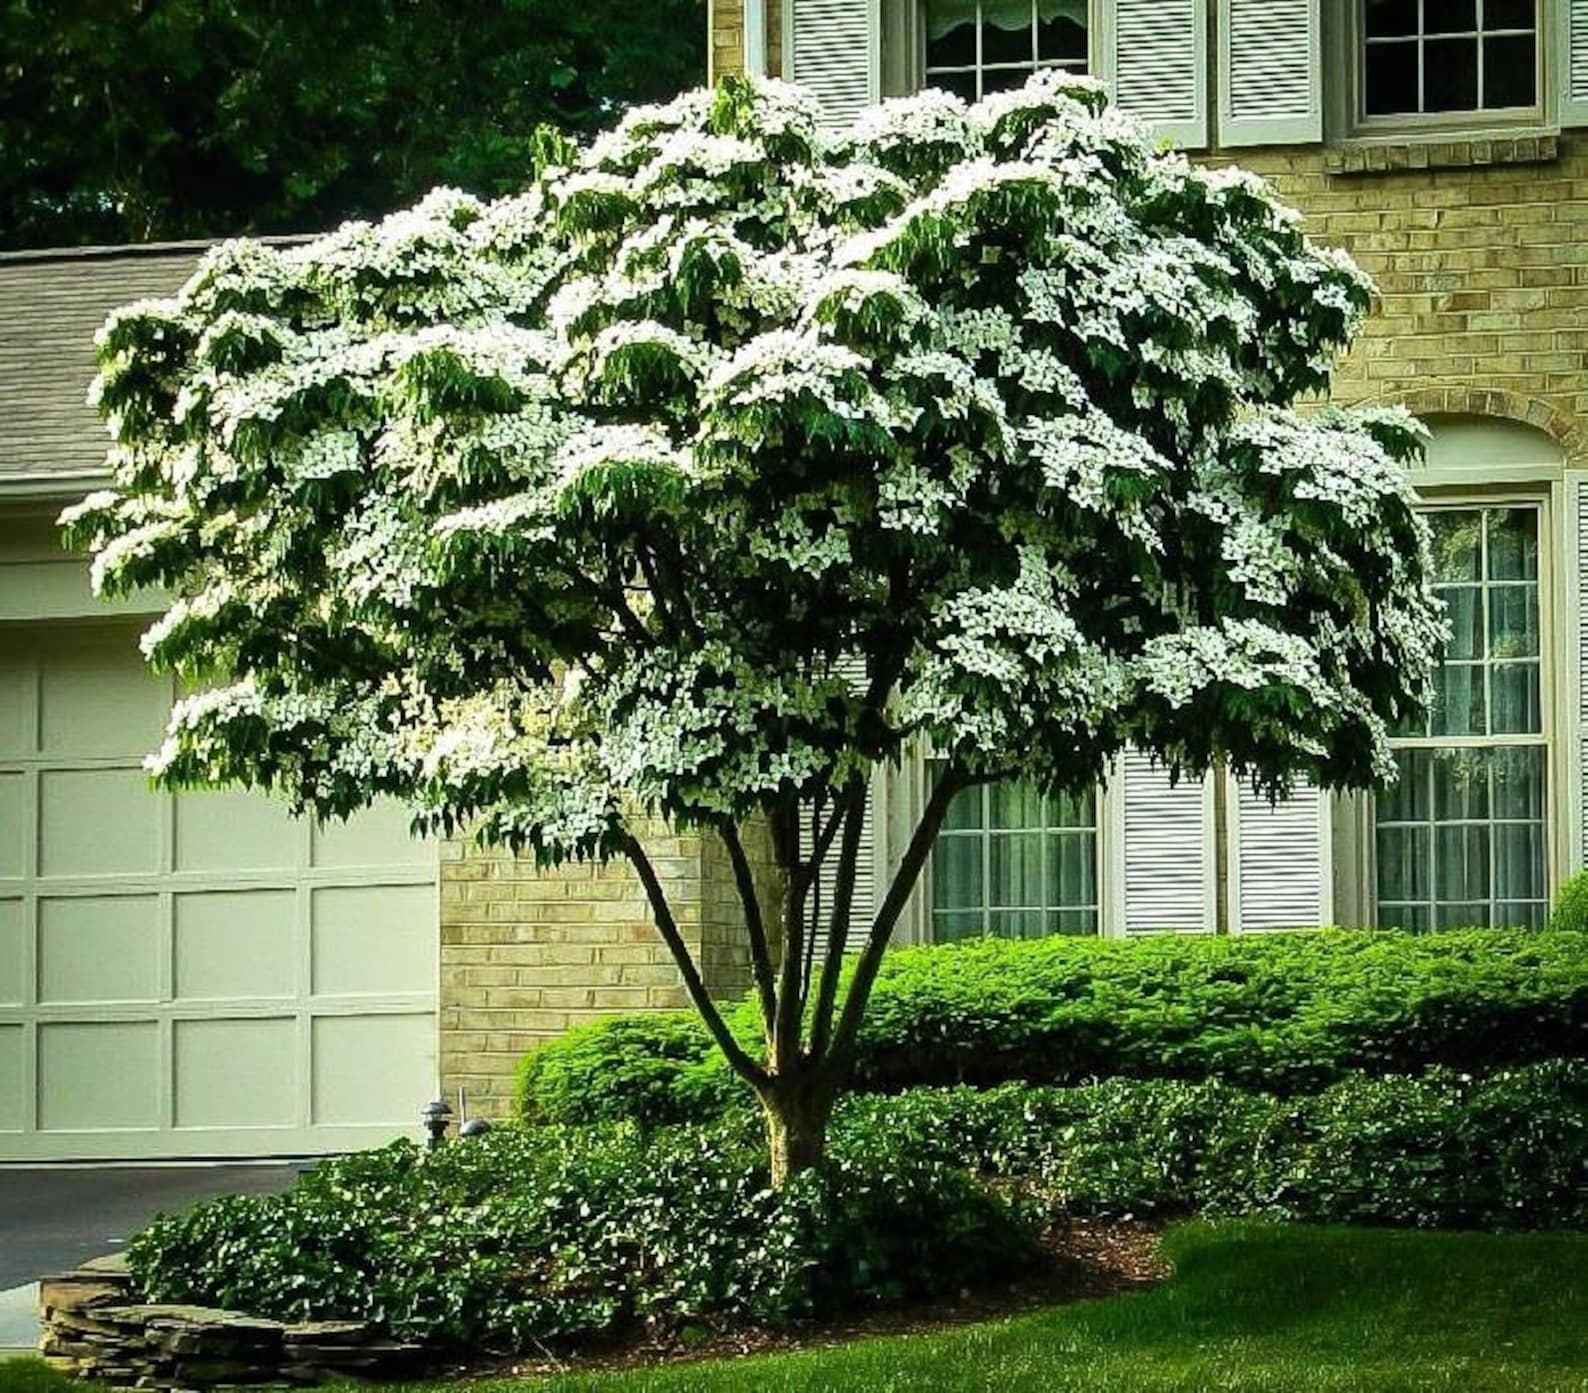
978	46
1013	863
1429	57
1462	838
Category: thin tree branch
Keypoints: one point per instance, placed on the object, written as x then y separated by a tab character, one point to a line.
754	922
667	926
843	1039
843	903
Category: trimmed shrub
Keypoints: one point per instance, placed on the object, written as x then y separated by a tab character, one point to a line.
1443	1150
1285	1012
519	1237
1570	910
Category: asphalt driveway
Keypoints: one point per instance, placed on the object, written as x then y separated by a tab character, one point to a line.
52	1217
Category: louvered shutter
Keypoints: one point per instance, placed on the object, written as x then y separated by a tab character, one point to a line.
864	905
1574	78
835	51
1157	63
1280	860
1270	72
1165	877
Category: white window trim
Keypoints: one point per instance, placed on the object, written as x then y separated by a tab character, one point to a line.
1345	38
911	31
1552	606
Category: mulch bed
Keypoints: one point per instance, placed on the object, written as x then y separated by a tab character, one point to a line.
1084	1259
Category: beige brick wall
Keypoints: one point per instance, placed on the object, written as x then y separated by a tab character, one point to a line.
1482	273
525	954
725	26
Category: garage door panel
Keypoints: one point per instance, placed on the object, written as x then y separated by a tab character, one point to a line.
99	1075
236	1073
233	830
13	825
99	948
13	925
236	943
98	822
16	706
373	939
370	1068
97	698
161	955
376	837
13	1081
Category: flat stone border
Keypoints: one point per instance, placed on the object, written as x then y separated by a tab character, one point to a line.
95	1326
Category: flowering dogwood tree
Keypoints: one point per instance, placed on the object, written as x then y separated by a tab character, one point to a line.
731	460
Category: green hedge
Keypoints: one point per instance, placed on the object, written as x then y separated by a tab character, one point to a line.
504	1241
1508	1150
528	1235
1287	1012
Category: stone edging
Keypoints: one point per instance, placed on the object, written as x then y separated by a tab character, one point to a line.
94	1326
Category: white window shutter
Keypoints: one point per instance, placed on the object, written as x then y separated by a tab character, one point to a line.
835	52
1270	72
863	908
1156	61
1574	50
1164	868
1280	860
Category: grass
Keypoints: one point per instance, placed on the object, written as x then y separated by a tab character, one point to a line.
1251	1307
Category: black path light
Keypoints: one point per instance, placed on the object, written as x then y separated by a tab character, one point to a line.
435	1115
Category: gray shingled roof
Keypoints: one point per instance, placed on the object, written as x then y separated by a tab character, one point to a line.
50	305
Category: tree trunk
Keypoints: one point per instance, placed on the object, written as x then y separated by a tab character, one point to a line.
796	1127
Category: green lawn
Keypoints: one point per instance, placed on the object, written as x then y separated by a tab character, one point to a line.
1251	1307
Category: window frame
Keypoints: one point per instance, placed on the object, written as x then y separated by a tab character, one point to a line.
904	32
1099	832
1359	124
1552	733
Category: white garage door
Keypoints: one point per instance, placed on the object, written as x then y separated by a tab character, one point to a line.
191	975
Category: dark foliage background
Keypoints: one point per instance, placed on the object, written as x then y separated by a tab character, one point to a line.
153	120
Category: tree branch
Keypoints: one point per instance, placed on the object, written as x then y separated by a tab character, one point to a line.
843	903
667	926
755	924
843	1040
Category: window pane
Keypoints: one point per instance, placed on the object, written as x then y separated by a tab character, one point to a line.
1461	785
1509	14
1072	869
1407	800
1461	864
1458	700
960	84
1061	31
1414	918
1016	871
1464	604
1003	79
1073	810
1006	923
1457	540
1388	17
1519	783
1514	701
957	873
1450	16
1072	921
1510	72
1403	863
1519	861
1474	915
1520	914
950	33
1006	32
949	928
1389	78
1513	621
1513	544
964	810
1015	806
1450	75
